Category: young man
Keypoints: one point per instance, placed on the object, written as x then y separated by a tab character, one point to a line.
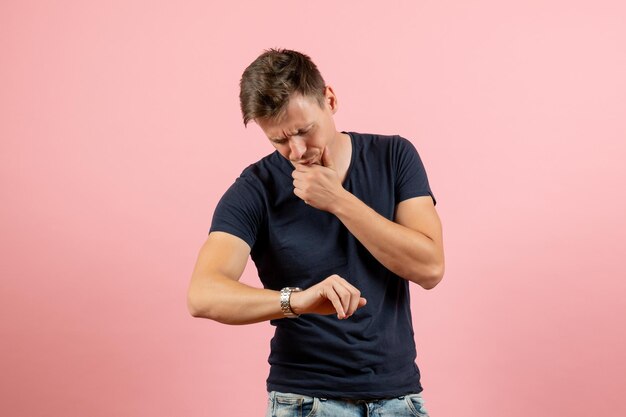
338	224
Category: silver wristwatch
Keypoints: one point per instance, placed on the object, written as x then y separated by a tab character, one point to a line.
285	298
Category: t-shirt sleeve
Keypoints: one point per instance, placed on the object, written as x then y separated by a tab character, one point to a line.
240	211
411	178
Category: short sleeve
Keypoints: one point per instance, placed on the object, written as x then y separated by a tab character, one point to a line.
411	177
240	211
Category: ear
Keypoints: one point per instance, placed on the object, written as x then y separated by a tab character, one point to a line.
330	99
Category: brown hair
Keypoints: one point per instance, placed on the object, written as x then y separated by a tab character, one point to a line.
269	81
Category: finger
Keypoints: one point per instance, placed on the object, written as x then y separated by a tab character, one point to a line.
349	296
300	168
332	296
355	298
345	295
299	193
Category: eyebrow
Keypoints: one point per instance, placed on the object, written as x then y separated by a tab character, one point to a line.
301	130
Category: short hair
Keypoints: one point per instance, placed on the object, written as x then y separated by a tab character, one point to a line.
268	82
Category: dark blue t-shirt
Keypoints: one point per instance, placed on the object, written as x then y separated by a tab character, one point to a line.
371	354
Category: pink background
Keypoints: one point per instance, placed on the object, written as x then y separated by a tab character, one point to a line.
120	129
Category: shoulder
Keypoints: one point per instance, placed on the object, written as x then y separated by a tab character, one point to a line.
268	179
381	143
269	166
378	139
263	174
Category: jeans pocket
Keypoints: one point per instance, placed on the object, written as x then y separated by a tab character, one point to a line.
415	402
294	405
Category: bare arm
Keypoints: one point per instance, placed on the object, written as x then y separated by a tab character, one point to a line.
411	247
216	293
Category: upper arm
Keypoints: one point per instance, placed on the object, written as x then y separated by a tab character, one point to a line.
222	258
419	214
222	254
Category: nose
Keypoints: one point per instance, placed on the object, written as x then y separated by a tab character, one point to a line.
297	148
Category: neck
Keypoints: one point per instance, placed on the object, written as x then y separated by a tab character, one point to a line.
342	151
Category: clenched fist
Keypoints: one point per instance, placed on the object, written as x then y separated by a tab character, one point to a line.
318	185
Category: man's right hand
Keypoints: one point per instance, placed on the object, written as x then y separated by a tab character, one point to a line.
333	295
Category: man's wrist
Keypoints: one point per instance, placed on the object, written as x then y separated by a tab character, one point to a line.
341	201
295	300
285	301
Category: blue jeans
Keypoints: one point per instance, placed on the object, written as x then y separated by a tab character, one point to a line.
295	405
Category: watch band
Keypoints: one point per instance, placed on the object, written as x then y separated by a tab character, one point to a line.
285	301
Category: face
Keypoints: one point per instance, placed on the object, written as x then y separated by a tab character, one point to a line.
304	130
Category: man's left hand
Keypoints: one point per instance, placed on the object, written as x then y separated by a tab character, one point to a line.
318	185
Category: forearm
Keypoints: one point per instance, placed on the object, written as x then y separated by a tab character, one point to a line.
231	302
406	252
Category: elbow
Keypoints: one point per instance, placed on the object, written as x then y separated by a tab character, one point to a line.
435	277
199	307
192	306
430	283
204	308
434	273
205	300
200	300
428	271
431	278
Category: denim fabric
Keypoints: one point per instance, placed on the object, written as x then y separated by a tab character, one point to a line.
294	405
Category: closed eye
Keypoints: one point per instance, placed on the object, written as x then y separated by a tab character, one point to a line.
299	133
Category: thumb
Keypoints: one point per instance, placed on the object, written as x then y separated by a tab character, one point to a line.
327	159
